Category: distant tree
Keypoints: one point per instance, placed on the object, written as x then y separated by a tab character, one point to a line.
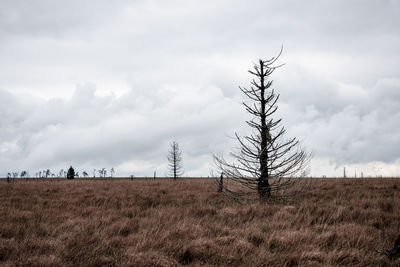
175	160
71	173
8	177
94	173
15	174
48	173
61	173
112	171
265	164
85	174
23	174
102	172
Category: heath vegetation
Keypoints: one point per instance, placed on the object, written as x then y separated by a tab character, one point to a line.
166	222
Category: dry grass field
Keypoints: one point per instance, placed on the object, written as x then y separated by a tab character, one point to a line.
185	222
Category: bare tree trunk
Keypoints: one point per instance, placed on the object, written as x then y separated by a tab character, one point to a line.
264	190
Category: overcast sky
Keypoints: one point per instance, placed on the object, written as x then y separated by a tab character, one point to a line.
111	83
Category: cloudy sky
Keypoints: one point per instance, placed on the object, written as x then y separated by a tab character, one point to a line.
111	83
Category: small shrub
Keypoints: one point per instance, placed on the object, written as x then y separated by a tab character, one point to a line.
274	245
385	206
255	239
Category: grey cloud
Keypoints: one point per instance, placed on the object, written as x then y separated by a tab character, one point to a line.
90	131
353	123
169	70
54	18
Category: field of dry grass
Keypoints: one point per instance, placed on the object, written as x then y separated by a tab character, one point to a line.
170	223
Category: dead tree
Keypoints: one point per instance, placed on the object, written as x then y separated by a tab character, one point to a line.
265	163
175	161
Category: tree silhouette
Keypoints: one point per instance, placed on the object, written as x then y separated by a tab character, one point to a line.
24	174
85	174
265	164
102	172
175	161
71	173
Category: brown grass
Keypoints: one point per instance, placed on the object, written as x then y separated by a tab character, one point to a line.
171	223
